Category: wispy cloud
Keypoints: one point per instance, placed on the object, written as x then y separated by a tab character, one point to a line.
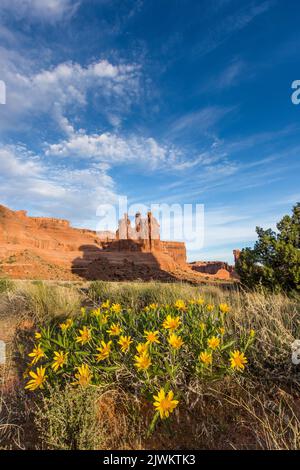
27	180
40	10
52	92
115	149
230	76
200	120
229	227
230	25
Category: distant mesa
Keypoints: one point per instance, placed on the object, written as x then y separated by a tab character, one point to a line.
219	269
49	248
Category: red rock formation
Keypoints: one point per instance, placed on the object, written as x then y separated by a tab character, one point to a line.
48	248
211	267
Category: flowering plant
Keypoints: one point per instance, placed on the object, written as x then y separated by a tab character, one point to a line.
156	350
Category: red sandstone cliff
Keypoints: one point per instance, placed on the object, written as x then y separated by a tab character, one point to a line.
48	248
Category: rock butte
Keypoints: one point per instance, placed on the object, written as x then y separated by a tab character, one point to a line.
48	248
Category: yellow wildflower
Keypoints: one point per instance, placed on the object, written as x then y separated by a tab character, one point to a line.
153	306
125	342
252	333
171	323
180	305
115	330
142	348
116	308
164	403
213	342
143	361
59	360
224	308
103	319
238	360
96	312
38	379
104	351
205	357
85	335
83	376
175	341
83	310
209	307
202	326
37	335
37	353
105	304
68	323
200	301
151	336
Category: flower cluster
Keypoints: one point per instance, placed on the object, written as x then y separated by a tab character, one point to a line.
158	346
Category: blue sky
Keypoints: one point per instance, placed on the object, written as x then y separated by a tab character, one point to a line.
163	101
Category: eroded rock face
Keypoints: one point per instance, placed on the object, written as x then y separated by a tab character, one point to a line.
211	267
53	240
49	248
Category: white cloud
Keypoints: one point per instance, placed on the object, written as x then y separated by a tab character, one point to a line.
13	166
114	149
45	10
63	88
27	181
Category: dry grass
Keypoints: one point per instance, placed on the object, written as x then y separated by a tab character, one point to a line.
259	410
40	301
137	295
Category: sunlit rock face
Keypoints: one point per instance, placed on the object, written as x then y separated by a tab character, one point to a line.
49	248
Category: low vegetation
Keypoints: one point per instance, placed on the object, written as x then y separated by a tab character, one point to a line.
148	365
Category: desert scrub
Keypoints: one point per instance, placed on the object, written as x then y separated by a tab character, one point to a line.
44	301
39	301
87	418
155	352
67	419
137	295
267	414
276	318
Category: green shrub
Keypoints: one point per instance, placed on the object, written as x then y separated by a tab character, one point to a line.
89	418
68	419
274	262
